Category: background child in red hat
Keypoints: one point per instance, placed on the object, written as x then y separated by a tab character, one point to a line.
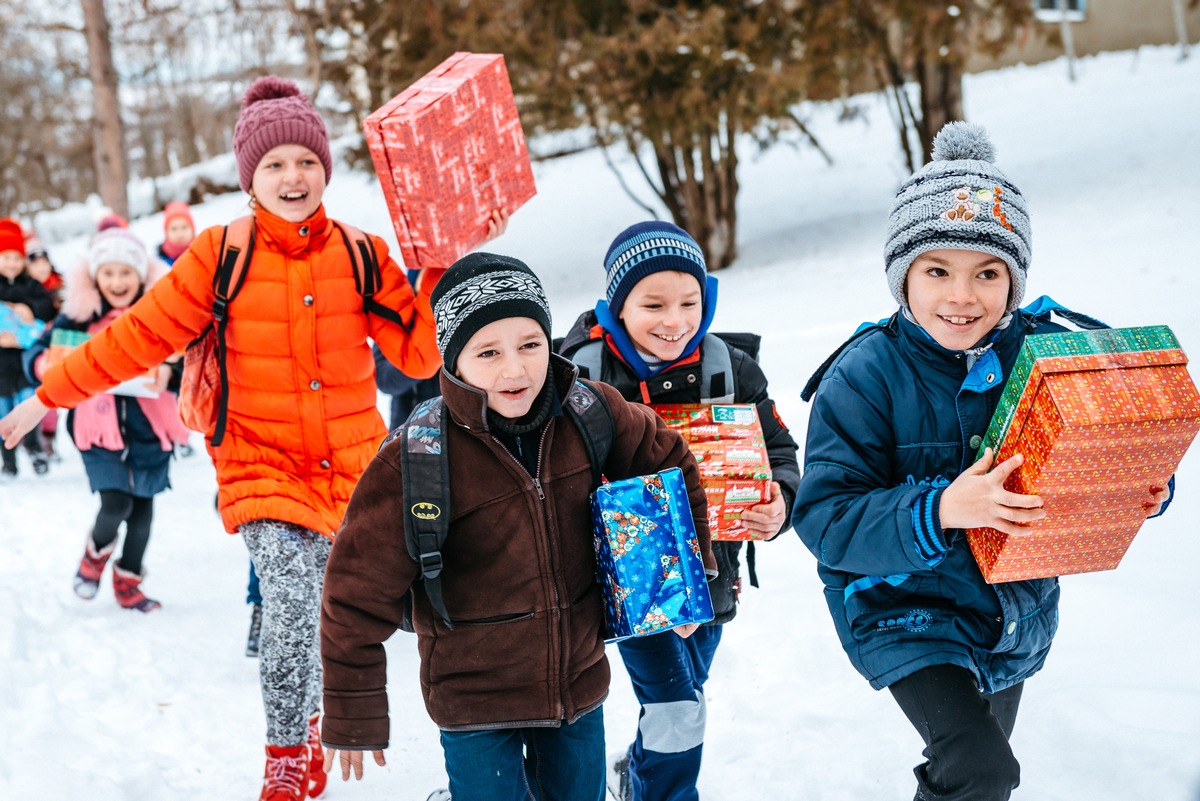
27	302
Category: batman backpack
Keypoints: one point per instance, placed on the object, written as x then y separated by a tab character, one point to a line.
426	475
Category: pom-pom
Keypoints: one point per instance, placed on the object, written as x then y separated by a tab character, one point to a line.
269	87
963	140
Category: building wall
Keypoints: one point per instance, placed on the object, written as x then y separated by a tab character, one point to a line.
1108	25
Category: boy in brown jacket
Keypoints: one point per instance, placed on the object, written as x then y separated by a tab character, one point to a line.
516	685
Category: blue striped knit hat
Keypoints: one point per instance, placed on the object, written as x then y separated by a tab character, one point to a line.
645	248
960	200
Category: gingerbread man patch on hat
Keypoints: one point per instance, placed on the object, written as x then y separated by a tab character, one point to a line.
963	207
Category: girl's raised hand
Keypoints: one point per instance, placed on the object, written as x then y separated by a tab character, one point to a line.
497	225
978	499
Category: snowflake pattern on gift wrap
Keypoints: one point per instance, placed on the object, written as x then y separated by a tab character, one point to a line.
656	620
654	485
625	530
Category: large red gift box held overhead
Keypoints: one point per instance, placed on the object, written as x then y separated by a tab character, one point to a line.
1100	417
449	150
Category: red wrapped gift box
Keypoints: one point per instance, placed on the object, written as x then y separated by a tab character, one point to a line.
449	150
735	470
1100	417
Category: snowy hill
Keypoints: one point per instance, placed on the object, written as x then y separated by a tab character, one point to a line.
101	704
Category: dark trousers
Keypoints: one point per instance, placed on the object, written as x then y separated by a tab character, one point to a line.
668	674
137	514
965	732
560	763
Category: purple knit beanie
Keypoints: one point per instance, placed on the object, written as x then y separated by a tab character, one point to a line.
274	113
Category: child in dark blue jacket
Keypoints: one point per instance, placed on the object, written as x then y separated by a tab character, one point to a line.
649	338
889	483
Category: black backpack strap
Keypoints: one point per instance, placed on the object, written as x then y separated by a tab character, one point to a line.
748	343
237	248
716	372
367	274
590	412
814	381
426	476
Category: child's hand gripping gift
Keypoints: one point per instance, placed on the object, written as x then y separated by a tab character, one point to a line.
648	556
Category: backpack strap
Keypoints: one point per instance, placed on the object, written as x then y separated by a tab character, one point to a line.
367	275
717	380
237	247
814	380
590	412
1044	306
716	371
588	359
426	477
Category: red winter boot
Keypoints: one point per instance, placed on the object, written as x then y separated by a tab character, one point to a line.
316	758
286	778
91	567
128	589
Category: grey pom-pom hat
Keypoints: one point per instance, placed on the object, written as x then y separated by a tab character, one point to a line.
960	200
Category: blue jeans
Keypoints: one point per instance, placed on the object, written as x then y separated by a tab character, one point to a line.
253	593
668	674
564	763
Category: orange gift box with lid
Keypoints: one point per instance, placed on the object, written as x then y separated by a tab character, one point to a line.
1100	417
449	150
735	470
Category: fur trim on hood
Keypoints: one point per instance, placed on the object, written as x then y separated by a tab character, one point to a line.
82	301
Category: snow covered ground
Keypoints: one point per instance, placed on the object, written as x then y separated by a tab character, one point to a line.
101	704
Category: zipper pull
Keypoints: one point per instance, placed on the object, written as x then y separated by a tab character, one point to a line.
537	484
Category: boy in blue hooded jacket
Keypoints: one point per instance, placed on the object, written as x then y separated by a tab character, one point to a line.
889	484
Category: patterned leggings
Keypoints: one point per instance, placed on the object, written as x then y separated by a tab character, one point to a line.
290	561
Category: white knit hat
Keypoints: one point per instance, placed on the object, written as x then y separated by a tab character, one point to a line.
117	246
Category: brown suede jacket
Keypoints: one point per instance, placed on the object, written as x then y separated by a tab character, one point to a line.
527	647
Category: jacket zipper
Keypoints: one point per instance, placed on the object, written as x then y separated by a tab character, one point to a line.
537	485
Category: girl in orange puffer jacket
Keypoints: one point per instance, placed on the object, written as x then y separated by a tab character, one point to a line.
302	418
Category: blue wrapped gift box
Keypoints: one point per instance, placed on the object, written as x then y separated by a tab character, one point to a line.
26	333
648	556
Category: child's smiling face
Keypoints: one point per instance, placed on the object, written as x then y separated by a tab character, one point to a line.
957	296
12	264
289	182
118	283
662	313
509	360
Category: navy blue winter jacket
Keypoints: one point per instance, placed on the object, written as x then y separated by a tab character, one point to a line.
895	419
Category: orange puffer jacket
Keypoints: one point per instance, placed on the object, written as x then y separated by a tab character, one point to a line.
302	423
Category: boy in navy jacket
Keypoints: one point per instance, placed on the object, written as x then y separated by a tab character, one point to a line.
648	337
889	483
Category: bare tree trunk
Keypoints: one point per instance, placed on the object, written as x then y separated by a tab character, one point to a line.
1181	28
699	179
1068	41
107	133
940	80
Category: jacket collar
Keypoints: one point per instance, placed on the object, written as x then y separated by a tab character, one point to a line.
292	239
467	405
623	345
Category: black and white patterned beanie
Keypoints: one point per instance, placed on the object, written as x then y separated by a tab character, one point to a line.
959	200
481	288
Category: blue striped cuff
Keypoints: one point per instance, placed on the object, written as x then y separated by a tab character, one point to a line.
927	526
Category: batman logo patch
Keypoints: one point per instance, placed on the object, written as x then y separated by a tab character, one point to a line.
423	510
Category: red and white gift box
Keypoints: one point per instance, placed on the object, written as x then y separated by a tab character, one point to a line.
449	150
